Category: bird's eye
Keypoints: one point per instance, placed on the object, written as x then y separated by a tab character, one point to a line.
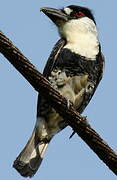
78	14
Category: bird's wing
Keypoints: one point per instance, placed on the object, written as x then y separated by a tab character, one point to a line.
50	64
53	56
99	75
102	64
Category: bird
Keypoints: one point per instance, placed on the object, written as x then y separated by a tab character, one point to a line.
74	68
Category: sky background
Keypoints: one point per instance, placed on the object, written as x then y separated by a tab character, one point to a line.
35	35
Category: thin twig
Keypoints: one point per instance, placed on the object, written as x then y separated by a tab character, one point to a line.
73	118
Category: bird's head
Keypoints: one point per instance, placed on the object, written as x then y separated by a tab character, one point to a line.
72	16
77	26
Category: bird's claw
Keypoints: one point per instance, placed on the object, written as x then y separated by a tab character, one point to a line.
69	103
72	134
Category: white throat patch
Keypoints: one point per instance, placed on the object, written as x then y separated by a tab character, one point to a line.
68	10
82	37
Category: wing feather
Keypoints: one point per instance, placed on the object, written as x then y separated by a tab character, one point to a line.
53	56
50	64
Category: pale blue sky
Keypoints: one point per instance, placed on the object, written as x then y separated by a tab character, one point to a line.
35	35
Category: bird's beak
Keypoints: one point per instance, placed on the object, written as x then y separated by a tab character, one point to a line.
56	15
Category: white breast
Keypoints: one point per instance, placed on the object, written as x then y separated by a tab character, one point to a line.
82	37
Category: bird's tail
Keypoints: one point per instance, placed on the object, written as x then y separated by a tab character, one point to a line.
29	160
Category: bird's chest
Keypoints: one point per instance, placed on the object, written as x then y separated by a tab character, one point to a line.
76	65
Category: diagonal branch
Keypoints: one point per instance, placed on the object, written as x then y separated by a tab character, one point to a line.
74	119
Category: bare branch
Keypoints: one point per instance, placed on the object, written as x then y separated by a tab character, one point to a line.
74	119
